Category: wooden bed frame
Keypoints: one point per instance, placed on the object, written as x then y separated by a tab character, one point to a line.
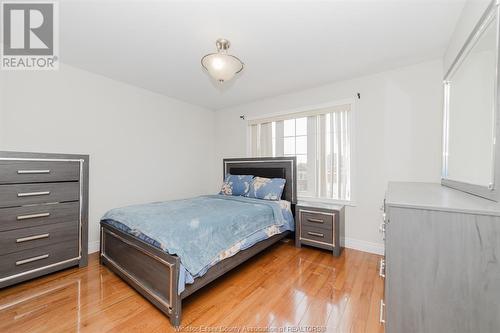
155	274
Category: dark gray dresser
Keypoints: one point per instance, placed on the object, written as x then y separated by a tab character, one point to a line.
442	260
43	214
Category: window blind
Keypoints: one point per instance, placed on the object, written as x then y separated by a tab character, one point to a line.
321	140
314	112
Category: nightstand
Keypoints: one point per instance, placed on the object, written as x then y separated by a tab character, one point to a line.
319	225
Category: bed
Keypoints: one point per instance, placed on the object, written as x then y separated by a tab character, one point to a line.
138	256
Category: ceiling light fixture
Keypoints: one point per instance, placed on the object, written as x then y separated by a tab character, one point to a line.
221	65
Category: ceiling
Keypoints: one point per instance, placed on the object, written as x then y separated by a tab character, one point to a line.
286	46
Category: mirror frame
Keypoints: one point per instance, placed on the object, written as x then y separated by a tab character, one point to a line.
491	191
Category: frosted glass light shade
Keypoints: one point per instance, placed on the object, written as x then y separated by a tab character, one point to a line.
222	66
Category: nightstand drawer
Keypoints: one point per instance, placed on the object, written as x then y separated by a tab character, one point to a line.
316	234
316	219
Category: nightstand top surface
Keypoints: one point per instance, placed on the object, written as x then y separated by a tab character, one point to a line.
321	205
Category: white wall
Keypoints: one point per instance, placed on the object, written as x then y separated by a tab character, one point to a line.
143	146
472	12
398	123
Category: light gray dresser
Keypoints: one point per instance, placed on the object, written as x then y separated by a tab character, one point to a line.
43	214
442	268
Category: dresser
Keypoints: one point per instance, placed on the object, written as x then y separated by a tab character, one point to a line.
442	260
43	214
320	225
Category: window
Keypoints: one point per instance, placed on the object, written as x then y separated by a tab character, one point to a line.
321	140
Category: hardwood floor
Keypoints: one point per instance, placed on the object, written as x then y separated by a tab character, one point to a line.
284	286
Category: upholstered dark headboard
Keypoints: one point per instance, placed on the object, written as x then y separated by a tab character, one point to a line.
269	167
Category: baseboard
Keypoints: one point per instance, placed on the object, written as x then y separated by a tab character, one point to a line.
362	245
93	247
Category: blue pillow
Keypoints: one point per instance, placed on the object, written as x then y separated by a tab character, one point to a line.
236	185
266	188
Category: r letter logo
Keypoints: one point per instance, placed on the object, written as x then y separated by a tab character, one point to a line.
30	36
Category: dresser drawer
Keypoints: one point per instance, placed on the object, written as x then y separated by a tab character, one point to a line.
24	194
38	215
30	238
12	172
316	234
316	219
23	261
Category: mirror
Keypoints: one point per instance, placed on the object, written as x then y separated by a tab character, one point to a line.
470	112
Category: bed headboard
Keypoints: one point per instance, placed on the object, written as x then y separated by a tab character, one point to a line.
269	167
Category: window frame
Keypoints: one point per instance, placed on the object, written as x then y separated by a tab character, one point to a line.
352	127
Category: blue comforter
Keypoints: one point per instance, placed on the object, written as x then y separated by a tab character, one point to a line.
199	229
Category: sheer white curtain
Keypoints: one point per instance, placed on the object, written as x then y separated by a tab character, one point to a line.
334	158
262	139
325	171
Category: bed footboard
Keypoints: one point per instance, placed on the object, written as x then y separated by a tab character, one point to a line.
153	273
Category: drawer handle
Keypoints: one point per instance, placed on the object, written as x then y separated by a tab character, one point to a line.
25	261
381	229
32	216
315	234
32	194
30	238
31	172
381	269
316	220
382	306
